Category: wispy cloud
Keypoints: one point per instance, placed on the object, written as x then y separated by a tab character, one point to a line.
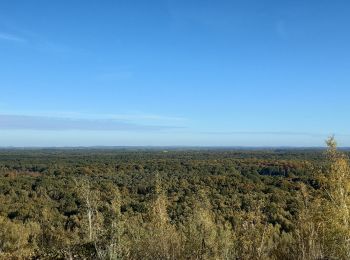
116	75
37	42
25	122
275	133
11	37
131	116
149	117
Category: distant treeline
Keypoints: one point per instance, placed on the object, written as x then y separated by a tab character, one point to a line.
174	204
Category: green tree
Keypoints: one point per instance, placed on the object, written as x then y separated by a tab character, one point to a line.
336	206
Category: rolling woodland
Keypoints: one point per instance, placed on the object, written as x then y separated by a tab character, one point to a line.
108	203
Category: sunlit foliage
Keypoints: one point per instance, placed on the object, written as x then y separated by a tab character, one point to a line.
182	204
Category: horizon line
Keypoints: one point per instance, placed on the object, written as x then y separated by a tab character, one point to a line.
172	146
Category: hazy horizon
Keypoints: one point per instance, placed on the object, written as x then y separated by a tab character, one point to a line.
174	147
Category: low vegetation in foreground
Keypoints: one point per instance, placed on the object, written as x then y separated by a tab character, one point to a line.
176	204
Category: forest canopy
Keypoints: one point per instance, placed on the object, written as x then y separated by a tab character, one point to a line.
175	203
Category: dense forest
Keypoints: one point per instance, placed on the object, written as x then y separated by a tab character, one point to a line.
175	203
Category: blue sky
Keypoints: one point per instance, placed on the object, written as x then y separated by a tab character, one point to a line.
174	72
